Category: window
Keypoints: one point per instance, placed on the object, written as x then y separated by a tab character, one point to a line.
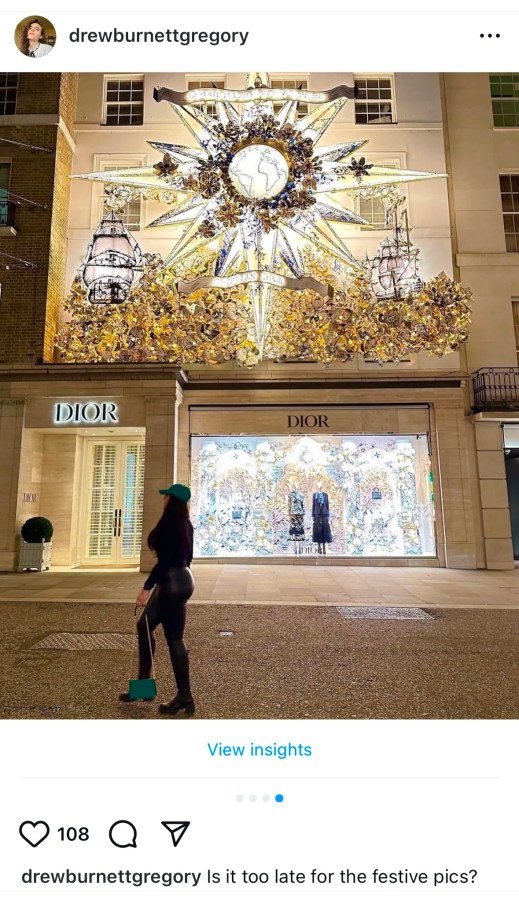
504	90
131	213
373	104
515	312
510	203
372	209
194	84
124	101
292	84
8	92
5	178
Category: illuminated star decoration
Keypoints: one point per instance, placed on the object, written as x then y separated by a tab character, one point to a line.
258	185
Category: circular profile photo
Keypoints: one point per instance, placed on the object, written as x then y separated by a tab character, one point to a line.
35	36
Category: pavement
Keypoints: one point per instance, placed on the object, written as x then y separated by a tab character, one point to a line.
285	585
269	642
269	662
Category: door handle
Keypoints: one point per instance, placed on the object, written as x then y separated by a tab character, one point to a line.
120	521
115	523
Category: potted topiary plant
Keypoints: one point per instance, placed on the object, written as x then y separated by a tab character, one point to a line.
36	545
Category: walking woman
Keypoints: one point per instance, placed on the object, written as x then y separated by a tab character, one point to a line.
172	542
33	40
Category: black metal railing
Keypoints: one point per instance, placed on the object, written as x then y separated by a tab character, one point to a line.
496	388
7	213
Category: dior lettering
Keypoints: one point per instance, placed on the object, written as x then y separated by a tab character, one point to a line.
309	421
90	413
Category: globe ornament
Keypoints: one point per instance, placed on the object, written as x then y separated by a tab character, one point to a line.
258	172
259	187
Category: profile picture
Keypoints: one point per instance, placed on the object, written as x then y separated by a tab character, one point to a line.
35	36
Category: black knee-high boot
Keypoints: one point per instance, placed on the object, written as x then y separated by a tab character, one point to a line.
180	662
183	702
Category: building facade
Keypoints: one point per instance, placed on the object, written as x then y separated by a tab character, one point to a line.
413	471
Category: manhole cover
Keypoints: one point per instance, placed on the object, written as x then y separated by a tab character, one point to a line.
382	612
86	641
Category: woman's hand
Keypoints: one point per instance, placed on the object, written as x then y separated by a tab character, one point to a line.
142	598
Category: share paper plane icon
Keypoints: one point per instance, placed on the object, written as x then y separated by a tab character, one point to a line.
177	830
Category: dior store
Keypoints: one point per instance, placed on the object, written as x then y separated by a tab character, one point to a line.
298	482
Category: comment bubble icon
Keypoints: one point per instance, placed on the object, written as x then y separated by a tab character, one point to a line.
123	834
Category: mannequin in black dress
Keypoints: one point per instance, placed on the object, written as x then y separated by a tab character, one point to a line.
321	534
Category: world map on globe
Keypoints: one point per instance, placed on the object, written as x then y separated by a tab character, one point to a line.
258	171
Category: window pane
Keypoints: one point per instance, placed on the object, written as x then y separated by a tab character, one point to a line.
124	102
8	92
373	101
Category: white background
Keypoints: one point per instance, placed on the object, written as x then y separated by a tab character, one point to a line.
428	796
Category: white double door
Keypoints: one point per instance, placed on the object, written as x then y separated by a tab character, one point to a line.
113	488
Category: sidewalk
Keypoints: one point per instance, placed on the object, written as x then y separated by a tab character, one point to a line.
285	586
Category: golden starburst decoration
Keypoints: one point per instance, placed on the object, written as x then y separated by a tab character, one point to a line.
258	186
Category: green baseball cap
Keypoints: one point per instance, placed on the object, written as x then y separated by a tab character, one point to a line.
180	491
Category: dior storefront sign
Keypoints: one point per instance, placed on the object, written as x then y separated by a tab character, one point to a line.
90	413
307	421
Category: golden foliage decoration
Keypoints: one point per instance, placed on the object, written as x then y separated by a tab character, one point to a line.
215	325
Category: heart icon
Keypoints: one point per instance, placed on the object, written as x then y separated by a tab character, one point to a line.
34	832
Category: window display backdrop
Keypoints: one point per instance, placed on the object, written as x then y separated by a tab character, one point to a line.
277	495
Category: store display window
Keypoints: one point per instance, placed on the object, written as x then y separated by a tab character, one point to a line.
339	495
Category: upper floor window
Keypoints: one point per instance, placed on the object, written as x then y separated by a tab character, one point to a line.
124	101
372	210
504	90
292	84
194	84
510	203
374	101
5	178
8	92
7	208
131	213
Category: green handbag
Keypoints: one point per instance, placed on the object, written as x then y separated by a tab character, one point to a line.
144	688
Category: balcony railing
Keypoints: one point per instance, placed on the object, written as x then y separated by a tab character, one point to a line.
7	213
496	389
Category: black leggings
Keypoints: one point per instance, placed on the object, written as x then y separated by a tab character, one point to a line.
167	607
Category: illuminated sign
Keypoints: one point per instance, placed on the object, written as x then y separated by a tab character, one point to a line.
90	413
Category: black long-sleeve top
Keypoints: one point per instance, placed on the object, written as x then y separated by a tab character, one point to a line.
176	552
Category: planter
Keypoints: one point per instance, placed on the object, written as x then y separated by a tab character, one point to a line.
35	556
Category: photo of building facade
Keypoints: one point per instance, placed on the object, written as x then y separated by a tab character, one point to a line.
416	458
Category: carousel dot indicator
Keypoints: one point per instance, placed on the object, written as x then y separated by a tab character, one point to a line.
279	798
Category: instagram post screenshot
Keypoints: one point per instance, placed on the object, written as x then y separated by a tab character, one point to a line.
259	453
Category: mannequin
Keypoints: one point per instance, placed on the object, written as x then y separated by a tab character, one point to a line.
296	515
321	534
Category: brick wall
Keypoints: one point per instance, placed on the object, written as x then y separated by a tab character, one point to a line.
30	301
